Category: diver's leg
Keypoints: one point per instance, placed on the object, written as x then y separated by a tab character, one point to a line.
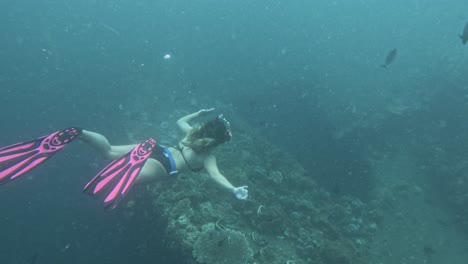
102	145
115	180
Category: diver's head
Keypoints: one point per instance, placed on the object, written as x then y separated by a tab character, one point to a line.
218	129
209	135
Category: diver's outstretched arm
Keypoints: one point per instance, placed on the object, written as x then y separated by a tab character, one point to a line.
102	145
212	169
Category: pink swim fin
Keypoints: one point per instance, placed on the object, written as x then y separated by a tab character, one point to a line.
20	158
116	179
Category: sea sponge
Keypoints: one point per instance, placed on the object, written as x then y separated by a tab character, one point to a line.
223	246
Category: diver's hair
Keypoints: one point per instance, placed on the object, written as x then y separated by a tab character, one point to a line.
197	142
205	137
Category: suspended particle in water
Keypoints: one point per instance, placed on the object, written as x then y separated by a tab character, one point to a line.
164	125
167	56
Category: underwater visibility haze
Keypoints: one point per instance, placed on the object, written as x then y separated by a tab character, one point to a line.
349	125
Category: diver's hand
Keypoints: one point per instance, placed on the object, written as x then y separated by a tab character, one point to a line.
241	193
205	111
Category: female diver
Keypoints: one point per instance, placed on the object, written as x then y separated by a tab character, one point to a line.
143	162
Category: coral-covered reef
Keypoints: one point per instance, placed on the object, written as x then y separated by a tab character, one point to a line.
287	218
219	245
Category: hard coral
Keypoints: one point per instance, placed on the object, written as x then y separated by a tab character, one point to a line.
224	246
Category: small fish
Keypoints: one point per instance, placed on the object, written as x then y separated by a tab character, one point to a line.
429	250
111	29
33	259
390	58
464	35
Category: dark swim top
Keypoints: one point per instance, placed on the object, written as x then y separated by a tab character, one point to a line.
164	156
181	150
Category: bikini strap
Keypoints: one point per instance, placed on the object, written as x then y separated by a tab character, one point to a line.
181	150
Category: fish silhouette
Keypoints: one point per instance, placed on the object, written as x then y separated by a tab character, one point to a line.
33	259
464	35
390	58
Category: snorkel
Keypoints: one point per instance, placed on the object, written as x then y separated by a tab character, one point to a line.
227	134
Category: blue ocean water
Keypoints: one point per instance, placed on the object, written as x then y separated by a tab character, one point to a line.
305	75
